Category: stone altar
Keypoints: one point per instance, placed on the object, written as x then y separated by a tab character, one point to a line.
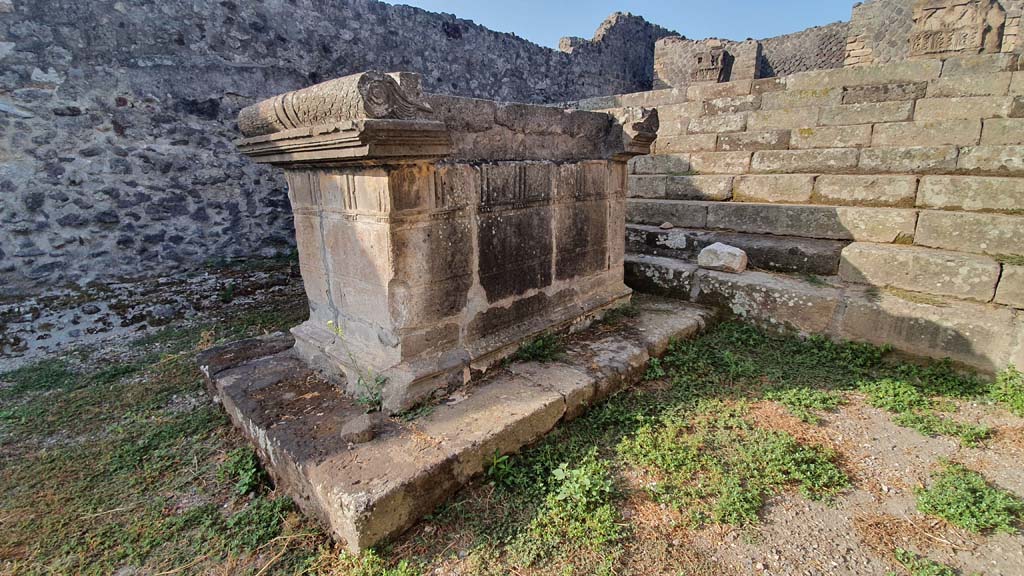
436	233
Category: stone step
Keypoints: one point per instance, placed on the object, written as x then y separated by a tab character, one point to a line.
986	337
776	253
808	221
366	492
927	270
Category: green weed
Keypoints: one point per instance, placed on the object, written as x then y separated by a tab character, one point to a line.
894	395
802	401
244	469
547	347
919	566
963	498
931	424
1008	389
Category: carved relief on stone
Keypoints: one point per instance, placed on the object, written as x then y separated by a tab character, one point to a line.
709	65
359	96
947	27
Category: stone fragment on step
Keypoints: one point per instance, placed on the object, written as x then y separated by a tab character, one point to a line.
361	429
719	256
667	226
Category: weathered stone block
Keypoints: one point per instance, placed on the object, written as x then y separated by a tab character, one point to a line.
969	107
732	105
830	222
718	123
807	161
972	193
869	113
975	64
699	187
932	132
996	160
1017	83
720	162
656	212
787	188
763	140
723	257
955	274
978	335
855	136
1011	286
787	118
764	85
662	276
973	85
884	92
904	160
685	143
787	99
769	299
896	191
907	71
971	232
659	164
711	91
1002	131
674	118
647	186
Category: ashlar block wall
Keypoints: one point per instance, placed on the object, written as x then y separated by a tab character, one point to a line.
879	203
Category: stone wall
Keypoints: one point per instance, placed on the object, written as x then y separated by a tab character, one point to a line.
880	31
876	203
116	118
817	48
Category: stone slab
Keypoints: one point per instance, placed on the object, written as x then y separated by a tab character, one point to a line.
993	160
760	140
1003	131
972	85
1011	287
961	132
765	252
770	300
867	190
677	212
867	113
829	222
784	188
856	136
919	159
971	232
365	493
720	162
941	272
824	160
971	193
684	143
978	335
968	107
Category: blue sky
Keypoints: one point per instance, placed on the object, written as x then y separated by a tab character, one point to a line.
545	21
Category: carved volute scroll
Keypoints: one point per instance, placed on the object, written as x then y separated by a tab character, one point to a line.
368	95
947	27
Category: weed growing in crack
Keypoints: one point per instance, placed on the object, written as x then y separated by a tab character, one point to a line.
369	384
547	347
965	499
244	469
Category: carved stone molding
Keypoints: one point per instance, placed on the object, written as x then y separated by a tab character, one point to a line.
368	95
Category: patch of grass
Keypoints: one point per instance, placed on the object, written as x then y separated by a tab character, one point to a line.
256	524
931	424
1008	389
915	409
577	514
802	401
894	395
814	280
243	468
919	566
43	376
717	467
547	347
963	498
916	297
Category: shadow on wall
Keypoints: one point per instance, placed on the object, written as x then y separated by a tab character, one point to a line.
849	283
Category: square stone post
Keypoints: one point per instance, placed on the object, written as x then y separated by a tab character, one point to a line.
435	233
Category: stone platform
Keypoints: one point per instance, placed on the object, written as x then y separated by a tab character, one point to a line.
305	428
